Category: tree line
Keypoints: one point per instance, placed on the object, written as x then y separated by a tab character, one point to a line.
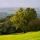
24	20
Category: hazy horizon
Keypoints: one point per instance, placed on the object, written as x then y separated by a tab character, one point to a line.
8	11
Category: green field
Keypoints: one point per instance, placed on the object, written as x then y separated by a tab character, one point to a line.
24	36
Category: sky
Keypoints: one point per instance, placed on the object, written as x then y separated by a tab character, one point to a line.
19	3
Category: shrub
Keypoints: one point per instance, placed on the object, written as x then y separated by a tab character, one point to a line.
34	25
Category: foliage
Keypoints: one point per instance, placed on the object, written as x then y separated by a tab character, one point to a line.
22	18
6	27
30	14
34	25
22	21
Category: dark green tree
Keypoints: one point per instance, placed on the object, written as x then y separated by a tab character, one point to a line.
22	18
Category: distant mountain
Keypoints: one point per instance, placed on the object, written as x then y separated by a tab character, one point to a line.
3	14
8	11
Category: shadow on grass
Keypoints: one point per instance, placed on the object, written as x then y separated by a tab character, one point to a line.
19	33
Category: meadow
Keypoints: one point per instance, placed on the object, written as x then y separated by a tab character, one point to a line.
22	36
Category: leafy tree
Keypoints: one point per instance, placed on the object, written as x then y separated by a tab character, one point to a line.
6	26
34	25
31	13
22	18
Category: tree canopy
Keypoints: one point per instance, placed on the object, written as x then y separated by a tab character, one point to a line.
23	16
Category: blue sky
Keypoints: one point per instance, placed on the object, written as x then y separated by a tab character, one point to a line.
19	3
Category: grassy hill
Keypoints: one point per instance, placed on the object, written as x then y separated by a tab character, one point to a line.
24	36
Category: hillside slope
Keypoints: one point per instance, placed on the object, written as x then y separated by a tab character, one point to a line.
25	36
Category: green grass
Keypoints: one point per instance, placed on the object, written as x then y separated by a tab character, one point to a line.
24	36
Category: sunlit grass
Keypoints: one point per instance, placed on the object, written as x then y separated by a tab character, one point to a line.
24	36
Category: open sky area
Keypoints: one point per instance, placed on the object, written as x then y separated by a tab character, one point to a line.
19	3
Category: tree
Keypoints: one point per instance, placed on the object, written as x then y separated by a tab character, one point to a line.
31	13
6	26
22	18
34	25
